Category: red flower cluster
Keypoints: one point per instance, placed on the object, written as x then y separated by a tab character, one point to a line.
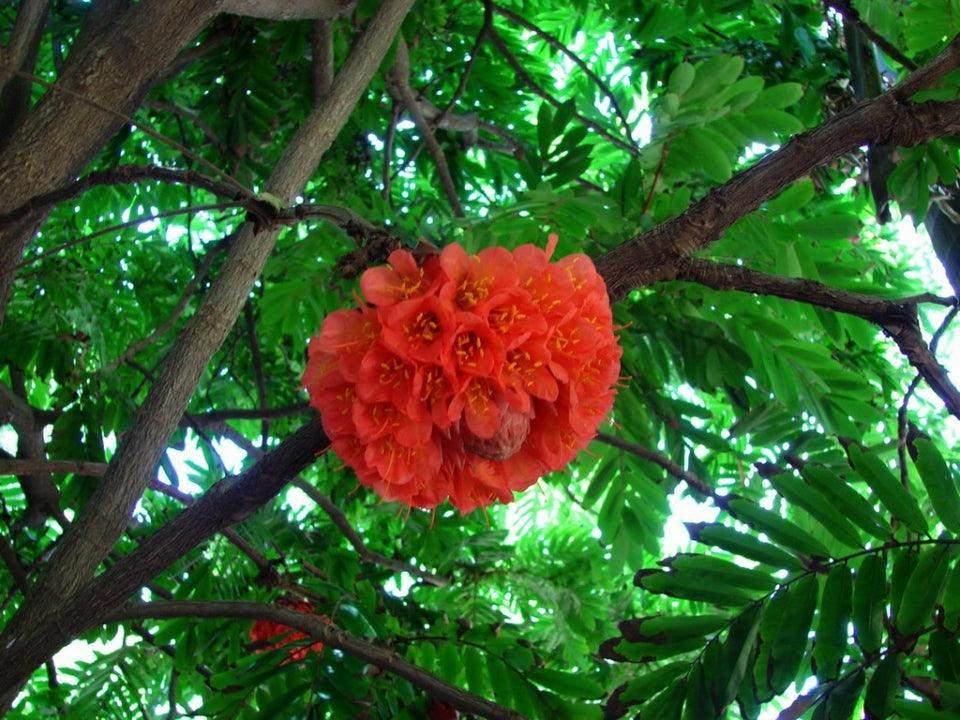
263	631
468	377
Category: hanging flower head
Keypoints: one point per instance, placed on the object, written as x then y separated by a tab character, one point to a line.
467	377
264	631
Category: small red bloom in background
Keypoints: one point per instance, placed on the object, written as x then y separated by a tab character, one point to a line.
468	377
263	631
442	711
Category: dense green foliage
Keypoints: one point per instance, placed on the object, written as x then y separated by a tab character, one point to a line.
821	561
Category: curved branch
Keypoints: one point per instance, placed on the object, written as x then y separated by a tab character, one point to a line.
327	633
886	119
849	13
658	458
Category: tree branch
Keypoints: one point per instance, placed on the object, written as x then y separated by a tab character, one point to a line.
330	635
289	9
657	458
400	77
323	69
898	319
217	416
886	119
540	91
353	537
850	15
553	42
257	360
104	516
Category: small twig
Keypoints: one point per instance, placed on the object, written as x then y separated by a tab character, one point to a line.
115	228
400	75
557	45
850	14
656	178
468	68
216	416
538	89
388	141
694	482
353	537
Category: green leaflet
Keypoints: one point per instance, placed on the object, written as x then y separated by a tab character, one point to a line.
869	599
835	608
945	655
714	570
667	705
783	636
951	600
912	710
690	588
888	488
841	701
698	704
647	684
778	529
742	544
923	589
883	687
567	684
668	628
904	561
847	500
796	492
733	661
939	482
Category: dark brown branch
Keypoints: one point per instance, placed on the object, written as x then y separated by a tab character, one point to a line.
18	466
887	119
553	42
194	119
468	68
125	174
330	635
353	537
400	77
898	319
850	14
657	458
217	416
29	20
541	92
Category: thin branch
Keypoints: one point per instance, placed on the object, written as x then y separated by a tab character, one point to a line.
331	636
694	482
850	14
886	119
540	91
400	75
29	20
217	416
19	466
553	42
468	68
185	296
390	137
115	228
353	537
194	119
898	319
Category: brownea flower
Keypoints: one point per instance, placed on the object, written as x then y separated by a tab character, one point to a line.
466	377
265	631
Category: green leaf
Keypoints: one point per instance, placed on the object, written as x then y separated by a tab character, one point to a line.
797	493
667	705
781	96
782	531
698	704
923	589
681	78
544	129
945	655
790	642
940	484
475	670
951	600
911	710
888	488
712	161
869	601
735	656
835	608
742	544
646	685
690	588
567	684
847	500
671	628
841	701
714	570
793	198
882	687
